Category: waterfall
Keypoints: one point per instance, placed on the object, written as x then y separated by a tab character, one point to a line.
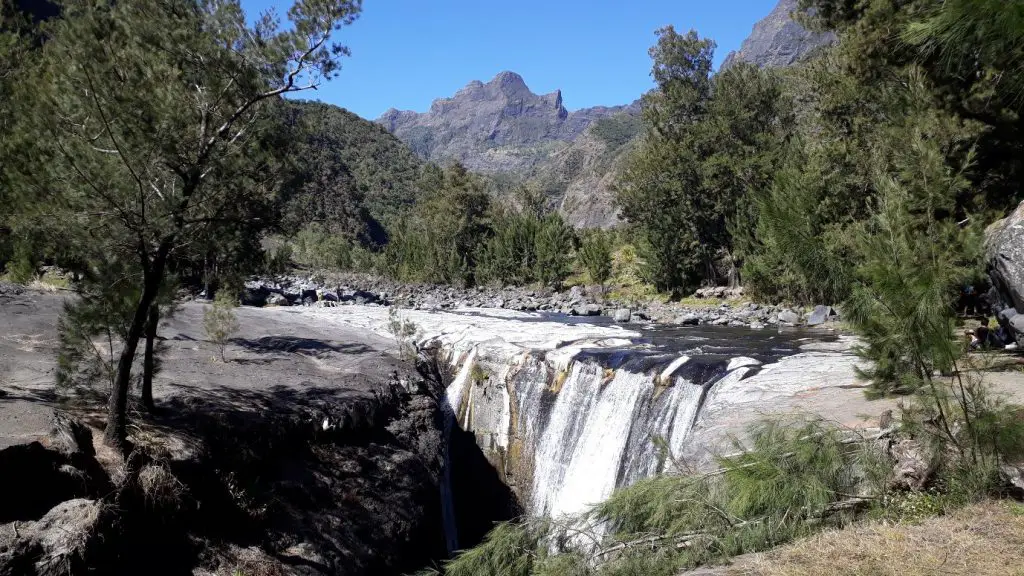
555	444
593	430
593	467
454	394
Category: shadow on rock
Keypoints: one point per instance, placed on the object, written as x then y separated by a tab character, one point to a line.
293	344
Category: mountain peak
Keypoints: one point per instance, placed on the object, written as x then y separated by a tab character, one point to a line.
509	81
476	122
778	40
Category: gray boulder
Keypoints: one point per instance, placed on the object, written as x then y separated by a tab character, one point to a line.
1004	244
277	300
820	315
623	315
789	317
689	320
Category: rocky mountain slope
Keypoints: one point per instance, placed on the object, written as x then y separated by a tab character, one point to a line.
778	40
500	126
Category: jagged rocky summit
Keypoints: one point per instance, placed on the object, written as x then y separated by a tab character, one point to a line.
778	40
498	126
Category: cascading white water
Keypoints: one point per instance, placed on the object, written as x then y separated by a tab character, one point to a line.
555	444
594	433
590	476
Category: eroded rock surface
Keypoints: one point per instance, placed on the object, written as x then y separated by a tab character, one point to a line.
307	452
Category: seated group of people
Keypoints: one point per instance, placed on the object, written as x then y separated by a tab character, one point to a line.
984	338
974	305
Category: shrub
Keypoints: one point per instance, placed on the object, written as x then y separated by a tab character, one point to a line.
404	331
318	248
220	322
595	256
278	261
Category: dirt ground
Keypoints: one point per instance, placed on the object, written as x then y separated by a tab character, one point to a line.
982	540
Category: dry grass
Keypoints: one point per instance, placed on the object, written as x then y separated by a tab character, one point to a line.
981	540
160	487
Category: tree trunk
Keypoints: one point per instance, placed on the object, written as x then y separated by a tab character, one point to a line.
117	418
149	362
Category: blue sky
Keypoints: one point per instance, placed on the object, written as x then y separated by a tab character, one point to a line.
406	53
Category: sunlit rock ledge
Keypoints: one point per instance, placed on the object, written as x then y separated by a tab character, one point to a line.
564	429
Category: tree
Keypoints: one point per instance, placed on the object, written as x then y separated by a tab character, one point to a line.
596	256
147	115
439	239
219	321
708	143
553	246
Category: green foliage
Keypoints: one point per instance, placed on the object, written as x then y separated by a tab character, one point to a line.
553	244
526	246
508	549
595	256
439	240
346	174
88	331
509	256
708	143
615	131
21	268
278	260
219	321
318	249
404	331
797	255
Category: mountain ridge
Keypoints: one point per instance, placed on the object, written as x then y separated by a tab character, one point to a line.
493	127
778	40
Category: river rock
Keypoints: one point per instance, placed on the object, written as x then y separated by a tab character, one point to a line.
819	315
277	300
622	315
688	320
789	317
586	310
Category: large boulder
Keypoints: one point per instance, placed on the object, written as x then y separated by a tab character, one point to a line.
820	315
789	317
622	315
1004	246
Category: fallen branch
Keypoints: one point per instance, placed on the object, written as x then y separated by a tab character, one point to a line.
687	539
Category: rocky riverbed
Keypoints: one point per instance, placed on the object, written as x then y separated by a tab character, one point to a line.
711	306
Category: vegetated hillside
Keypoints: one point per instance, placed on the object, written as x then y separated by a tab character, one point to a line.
579	177
778	40
347	171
